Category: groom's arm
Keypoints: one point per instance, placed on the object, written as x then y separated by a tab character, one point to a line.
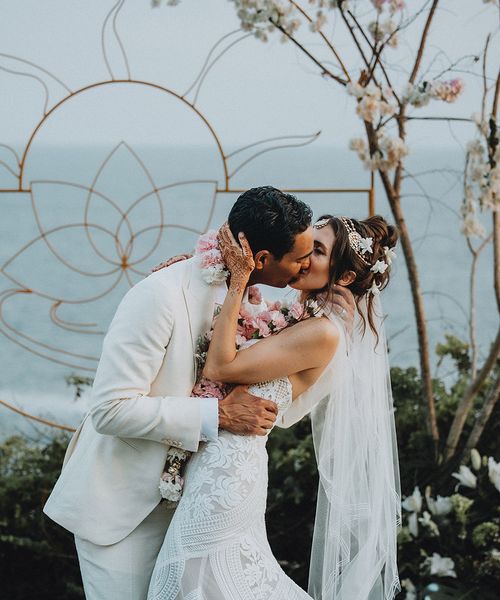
133	353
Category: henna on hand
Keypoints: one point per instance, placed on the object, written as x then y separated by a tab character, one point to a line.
238	257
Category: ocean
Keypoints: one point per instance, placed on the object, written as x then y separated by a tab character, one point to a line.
92	208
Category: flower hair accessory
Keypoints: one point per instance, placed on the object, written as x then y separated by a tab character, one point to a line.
359	244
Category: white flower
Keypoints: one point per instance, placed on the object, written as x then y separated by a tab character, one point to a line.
216	274
475	458
441	566
379	267
365	245
494	472
413	524
411	590
465	476
390	255
413	503
440	506
426	521
374	289
357	144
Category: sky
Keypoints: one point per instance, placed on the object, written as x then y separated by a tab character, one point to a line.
255	91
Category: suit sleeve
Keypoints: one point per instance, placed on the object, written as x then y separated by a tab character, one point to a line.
133	352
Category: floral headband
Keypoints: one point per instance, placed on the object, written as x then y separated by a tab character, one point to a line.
361	246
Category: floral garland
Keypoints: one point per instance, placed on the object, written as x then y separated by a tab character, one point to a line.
213	269
251	326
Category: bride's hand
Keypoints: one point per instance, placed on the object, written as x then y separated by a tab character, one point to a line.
238	257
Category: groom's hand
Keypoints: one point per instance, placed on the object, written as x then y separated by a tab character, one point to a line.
244	414
344	305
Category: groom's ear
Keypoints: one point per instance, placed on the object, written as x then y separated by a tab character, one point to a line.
261	259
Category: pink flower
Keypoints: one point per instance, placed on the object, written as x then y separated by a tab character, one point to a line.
297	311
278	319
274	305
378	4
245	314
211	258
208	389
262	325
207	242
254	295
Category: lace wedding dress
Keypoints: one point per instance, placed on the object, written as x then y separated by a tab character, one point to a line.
216	547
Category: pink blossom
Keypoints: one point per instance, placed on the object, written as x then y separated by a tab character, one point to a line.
296	310
245	314
208	389
274	305
278	319
378	4
211	258
262	324
207	241
254	295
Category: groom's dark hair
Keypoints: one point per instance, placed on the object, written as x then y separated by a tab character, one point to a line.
270	219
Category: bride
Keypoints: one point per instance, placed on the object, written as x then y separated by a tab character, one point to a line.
216	547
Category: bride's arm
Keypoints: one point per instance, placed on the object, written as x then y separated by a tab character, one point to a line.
306	345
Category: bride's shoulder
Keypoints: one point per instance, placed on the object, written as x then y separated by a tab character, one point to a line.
320	331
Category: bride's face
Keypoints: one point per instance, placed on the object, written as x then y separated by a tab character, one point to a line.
317	276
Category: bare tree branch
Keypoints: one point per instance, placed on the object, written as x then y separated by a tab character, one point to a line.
468	399
423	41
482	420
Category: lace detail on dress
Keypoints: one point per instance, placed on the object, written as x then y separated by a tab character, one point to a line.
216	547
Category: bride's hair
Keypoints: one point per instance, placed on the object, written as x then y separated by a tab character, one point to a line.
344	258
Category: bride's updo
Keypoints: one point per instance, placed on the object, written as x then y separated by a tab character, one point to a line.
345	257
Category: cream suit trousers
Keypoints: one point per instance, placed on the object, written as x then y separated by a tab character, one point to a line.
122	571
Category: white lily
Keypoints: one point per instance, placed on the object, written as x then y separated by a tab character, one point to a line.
441	566
365	245
379	267
494	472
439	507
390	255
413	503
465	476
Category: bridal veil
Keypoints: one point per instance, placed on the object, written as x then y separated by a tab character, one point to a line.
359	499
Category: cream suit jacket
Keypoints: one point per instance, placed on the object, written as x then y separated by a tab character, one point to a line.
141	407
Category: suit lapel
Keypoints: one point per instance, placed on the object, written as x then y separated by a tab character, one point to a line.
200	299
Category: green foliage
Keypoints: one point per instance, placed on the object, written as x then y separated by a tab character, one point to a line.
37	557
468	534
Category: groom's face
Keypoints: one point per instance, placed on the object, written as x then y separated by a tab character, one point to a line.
280	273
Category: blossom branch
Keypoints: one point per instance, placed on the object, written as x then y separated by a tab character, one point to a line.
323	37
324	70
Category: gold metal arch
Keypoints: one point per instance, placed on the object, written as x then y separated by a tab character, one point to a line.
121	267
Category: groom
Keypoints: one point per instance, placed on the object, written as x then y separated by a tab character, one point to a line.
107	493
